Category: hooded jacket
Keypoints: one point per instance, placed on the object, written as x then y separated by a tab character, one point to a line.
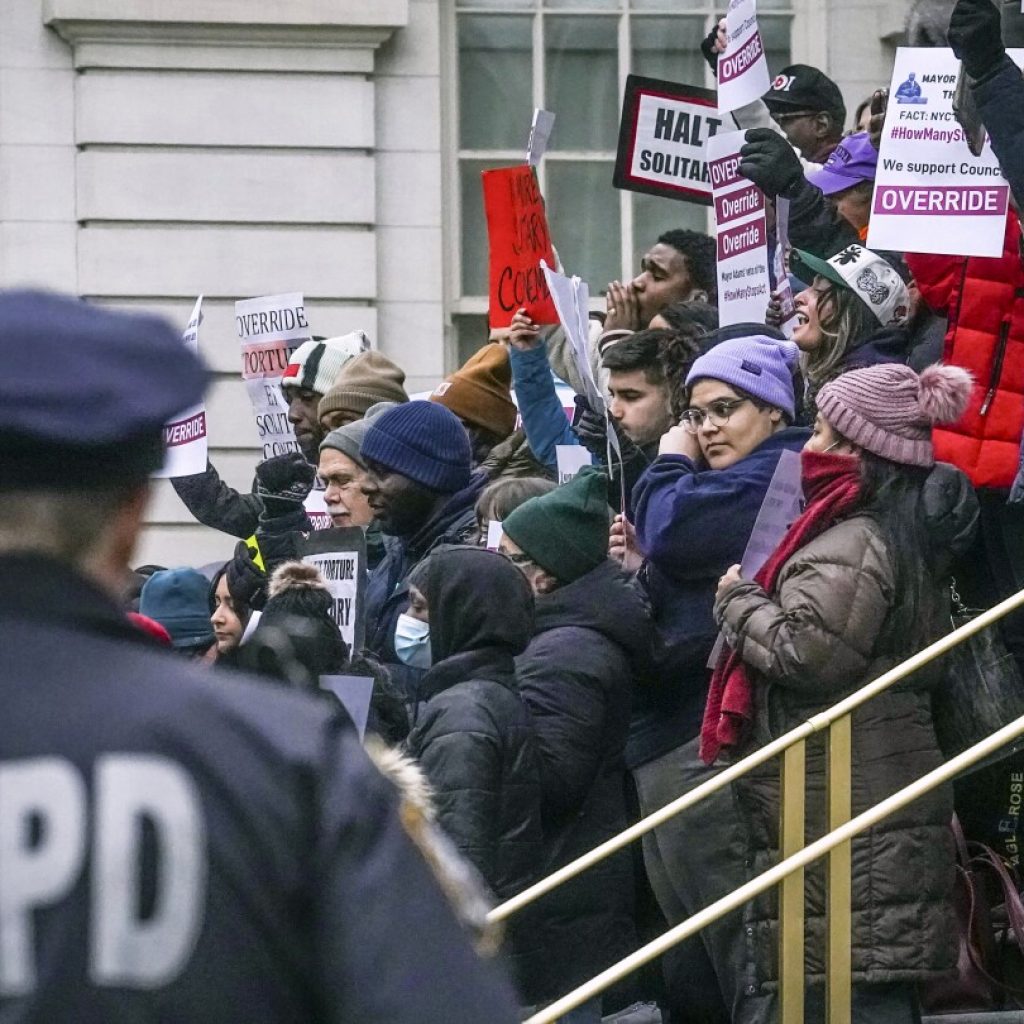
823	634
472	733
387	590
692	523
591	639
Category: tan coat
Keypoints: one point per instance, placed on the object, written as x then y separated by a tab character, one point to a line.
821	636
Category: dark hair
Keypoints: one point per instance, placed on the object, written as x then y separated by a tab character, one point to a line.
891	494
690	316
639	351
690	323
701	255
388	718
861	107
503	496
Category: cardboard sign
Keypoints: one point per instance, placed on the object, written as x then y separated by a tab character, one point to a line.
185	439
571	458
540	136
340	555
743	283
270	328
664	129
743	68
355	694
518	236
931	195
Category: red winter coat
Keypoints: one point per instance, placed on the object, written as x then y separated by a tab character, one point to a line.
984	301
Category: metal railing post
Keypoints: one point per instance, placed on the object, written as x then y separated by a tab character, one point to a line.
839	939
792	822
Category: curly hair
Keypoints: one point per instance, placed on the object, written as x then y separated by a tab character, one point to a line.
701	255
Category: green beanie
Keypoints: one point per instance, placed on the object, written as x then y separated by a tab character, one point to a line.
566	530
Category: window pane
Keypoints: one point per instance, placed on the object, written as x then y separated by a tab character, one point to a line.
499	5
471	334
583	210
495	81
669	6
474	225
669	48
654	215
568	5
776	35
774	5
582	73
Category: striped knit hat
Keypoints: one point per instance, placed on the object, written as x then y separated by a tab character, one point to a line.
890	410
314	365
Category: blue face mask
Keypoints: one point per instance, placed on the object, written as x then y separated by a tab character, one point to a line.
412	642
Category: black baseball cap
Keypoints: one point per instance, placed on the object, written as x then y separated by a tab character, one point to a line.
801	87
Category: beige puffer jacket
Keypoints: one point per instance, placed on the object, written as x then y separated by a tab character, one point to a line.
821	636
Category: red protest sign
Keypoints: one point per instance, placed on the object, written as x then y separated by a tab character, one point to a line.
517	230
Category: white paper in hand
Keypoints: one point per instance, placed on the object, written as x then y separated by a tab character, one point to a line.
540	135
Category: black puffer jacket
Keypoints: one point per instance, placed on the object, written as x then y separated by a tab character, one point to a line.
576	677
472	733
821	635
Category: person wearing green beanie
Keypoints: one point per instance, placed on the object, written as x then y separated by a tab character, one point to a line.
563	535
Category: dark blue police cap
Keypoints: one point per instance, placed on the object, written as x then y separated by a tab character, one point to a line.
85	392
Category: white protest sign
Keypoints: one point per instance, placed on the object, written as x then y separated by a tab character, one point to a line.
779	510
743	68
494	534
540	135
931	195
571	458
270	328
664	129
185	439
340	555
355	694
567	294
743	282
316	507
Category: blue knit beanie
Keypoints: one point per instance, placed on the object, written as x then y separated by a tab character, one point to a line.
423	441
179	600
758	365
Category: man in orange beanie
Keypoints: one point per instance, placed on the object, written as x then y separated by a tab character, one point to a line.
480	394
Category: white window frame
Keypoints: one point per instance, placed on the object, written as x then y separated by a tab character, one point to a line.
808	45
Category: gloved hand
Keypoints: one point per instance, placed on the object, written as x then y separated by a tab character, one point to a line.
708	48
974	34
246	581
283	483
770	162
589	427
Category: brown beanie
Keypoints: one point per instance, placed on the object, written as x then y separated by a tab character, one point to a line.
364	380
480	392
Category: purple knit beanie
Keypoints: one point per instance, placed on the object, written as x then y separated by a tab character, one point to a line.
759	365
889	410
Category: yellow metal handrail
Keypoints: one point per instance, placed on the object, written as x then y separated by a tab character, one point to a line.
779	873
813	725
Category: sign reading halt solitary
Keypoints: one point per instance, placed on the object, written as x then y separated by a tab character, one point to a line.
664	130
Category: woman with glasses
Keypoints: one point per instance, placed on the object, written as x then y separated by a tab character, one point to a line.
695	509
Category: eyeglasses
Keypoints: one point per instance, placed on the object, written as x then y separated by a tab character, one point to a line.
717	412
795	116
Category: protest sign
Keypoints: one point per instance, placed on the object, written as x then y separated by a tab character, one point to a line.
340	555
783	288
931	194
743	68
571	299
185	440
518	236
571	458
540	135
742	232
664	129
355	694
316	507
494	534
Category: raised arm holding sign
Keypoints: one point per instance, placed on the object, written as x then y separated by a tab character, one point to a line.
743	68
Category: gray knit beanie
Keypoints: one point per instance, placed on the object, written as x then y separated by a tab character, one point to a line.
349	438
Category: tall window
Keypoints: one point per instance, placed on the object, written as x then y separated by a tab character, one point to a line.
571	57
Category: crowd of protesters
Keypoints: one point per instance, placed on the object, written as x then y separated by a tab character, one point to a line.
552	662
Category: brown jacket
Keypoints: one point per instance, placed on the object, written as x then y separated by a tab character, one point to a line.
821	636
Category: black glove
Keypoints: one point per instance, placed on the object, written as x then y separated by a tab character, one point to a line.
707	47
769	161
974	34
589	427
247	583
283	483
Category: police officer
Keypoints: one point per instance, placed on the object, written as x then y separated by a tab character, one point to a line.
174	846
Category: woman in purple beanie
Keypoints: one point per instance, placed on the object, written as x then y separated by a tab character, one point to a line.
858	584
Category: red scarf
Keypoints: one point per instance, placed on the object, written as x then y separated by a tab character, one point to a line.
831	485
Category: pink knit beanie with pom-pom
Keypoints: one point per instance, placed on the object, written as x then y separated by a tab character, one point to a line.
890	410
